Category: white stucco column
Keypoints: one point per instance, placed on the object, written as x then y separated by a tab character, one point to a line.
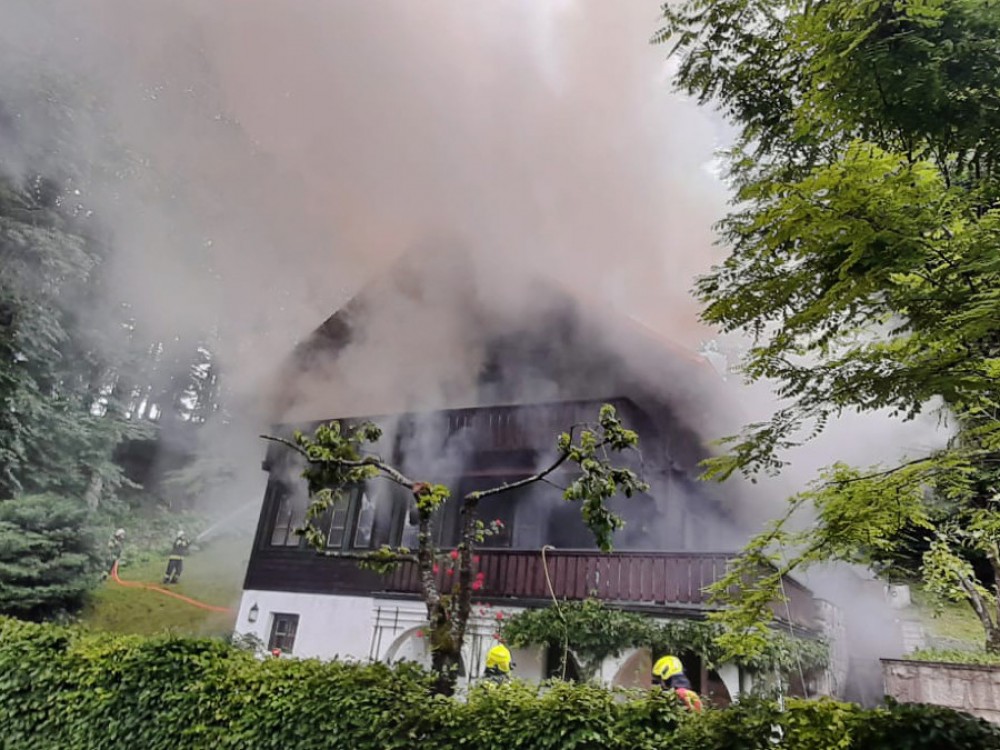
730	676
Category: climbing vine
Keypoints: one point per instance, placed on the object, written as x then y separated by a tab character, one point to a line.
594	632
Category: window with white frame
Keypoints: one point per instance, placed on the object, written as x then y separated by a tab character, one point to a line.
289	515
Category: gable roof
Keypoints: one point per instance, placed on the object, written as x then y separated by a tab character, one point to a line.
561	325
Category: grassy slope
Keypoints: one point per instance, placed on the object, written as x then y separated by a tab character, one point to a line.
213	574
954	623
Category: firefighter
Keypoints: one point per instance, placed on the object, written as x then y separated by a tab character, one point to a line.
116	543
175	565
668	673
498	665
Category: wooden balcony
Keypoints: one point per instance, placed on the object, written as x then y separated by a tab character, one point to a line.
642	580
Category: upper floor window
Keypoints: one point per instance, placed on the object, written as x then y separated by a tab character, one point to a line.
289	515
337	520
362	518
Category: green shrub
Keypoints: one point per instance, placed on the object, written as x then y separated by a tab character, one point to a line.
956	656
917	727
69	689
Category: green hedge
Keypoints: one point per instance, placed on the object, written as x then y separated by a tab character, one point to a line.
69	690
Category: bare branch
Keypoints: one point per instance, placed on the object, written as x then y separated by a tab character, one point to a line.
539	477
553	484
388	470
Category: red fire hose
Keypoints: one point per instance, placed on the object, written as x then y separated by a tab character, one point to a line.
158	589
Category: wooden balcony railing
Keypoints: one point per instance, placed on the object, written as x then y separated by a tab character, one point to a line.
634	578
646	579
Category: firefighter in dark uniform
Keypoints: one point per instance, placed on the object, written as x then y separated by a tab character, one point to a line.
175	565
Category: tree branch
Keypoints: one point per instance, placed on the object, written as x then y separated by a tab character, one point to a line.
390	471
976	600
878	474
538	477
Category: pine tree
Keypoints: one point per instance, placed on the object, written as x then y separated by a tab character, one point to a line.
48	561
54	435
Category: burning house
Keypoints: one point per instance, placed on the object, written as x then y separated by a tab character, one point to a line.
485	410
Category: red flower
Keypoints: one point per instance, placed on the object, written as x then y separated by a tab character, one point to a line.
420	634
499	615
480	576
476	585
454	554
435	569
450	571
499	523
476	559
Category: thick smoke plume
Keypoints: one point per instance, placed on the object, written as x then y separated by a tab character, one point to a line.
287	153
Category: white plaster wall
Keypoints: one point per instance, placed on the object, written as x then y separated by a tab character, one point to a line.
329	626
362	628
404	639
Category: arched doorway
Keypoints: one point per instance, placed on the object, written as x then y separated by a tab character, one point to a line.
634	671
554	667
409	646
715	690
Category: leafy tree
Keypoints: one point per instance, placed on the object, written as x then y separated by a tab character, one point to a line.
337	460
48	561
865	262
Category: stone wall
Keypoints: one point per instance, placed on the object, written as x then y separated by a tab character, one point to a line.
964	687
832	680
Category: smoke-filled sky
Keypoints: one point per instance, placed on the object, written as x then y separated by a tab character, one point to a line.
287	151
264	159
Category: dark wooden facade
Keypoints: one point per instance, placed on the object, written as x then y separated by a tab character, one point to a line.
500	443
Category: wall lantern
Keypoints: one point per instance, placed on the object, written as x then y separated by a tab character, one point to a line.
252	614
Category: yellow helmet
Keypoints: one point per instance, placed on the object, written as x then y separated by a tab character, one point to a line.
498	657
667	666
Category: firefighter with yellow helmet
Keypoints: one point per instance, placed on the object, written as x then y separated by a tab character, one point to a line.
668	673
498	665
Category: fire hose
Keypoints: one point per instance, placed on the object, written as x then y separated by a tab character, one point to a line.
159	589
